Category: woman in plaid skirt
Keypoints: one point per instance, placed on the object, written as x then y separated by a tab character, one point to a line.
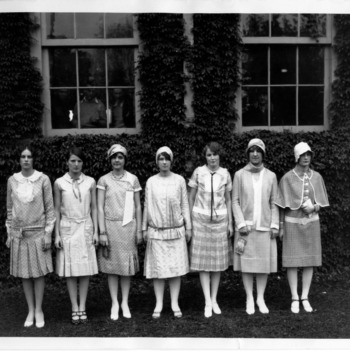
256	219
210	206
302	195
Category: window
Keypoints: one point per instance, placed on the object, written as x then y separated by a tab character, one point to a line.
90	61
284	70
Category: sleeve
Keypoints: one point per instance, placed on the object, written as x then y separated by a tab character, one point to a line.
136	185
236	208
273	206
50	217
101	184
185	208
228	186
145	209
193	183
9	205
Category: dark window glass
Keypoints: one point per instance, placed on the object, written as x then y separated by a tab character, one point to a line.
89	25
283	106
254	65
255	107
122	108
62	67
120	63
60	25
92	70
62	108
283	65
311	65
119	25
255	25
284	25
311	106
313	25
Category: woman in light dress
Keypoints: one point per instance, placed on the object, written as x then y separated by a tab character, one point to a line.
210	206
256	217
76	232
119	217
302	195
166	226
30	221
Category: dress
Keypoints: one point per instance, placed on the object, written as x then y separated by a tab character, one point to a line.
166	213
255	191
302	233
119	210
77	258
30	217
211	249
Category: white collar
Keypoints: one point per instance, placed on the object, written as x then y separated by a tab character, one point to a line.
21	178
69	179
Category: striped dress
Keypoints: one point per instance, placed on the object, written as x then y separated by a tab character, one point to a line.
211	248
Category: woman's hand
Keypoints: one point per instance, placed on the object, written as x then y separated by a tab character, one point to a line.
103	240
58	242
139	238
244	230
281	233
230	230
145	235
47	242
274	233
8	241
188	235
95	239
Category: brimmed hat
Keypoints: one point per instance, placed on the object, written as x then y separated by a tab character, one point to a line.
256	142
165	149
116	148
300	149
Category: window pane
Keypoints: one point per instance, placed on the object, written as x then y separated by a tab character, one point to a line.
92	67
62	108
283	65
92	108
311	65
119	25
283	106
62	67
311	106
89	25
59	25
313	24
254	65
122	108
255	107
255	25
284	25
120	66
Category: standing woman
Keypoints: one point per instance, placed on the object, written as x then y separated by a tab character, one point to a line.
166	226
256	216
302	195
210	206
119	218
30	221
76	231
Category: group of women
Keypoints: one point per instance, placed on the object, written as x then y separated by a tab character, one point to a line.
173	218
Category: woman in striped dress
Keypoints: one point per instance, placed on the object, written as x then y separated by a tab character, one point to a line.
256	217
119	218
302	195
30	221
210	206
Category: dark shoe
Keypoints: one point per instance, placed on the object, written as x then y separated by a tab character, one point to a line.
75	317
83	317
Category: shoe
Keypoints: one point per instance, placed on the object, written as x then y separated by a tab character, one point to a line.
28	324
40	324
177	314
295	306
306	305
115	313
262	307
126	312
75	317
82	317
216	308
208	311
250	307
156	315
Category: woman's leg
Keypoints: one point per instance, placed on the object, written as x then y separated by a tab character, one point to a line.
73	292
113	290
125	287
39	286
292	275
215	282
205	283
307	279
261	281
175	285
29	295
158	285
83	291
248	279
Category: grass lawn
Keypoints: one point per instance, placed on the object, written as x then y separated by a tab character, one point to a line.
330	299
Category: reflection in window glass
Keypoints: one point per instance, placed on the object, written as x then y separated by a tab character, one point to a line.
255	25
254	65
92	67
311	65
283	65
122	108
311	106
283	106
119	25
59	25
120	66
89	25
284	25
62	108
255	107
62	67
313	24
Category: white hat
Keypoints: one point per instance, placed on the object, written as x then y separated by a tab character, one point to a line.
116	148
256	142
300	149
165	149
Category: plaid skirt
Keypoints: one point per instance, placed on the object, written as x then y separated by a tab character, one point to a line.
211	249
259	256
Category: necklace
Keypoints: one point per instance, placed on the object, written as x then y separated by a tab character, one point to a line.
118	177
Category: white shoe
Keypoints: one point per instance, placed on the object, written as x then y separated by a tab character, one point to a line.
295	306
250	307
216	308
208	311
306	305
262	307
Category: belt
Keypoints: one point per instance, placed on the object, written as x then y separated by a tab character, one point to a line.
165	228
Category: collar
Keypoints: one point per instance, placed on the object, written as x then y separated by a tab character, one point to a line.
69	179
34	177
253	169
